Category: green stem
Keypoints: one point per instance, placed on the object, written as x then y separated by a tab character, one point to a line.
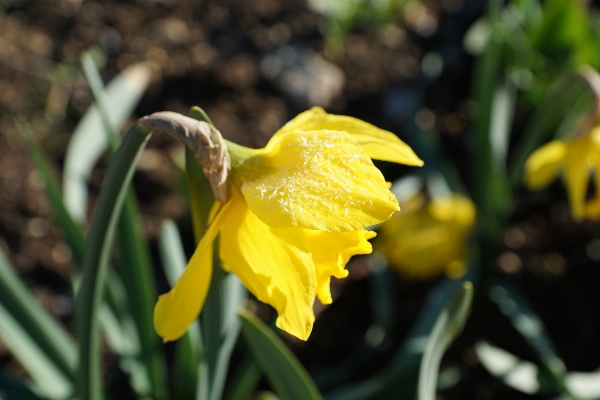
484	85
220	325
49	335
102	231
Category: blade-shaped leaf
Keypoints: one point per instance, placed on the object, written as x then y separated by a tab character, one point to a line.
50	336
134	261
515	306
514	372
116	320
89	297
287	376
528	378
244	381
448	325
73	233
45	374
89	140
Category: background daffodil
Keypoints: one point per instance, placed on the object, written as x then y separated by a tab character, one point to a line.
576	159
296	214
426	239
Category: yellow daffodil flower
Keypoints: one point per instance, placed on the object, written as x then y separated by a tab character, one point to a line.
425	239
296	214
575	159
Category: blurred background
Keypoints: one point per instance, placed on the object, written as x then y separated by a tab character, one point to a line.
406	66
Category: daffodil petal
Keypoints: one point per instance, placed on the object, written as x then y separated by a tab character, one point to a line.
454	208
543	165
331	251
378	143
576	176
176	310
273	264
319	180
592	206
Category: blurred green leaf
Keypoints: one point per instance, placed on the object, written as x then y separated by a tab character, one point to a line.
88	141
73	233
448	326
527	377
244	380
488	180
514	372
171	251
134	265
513	304
50	337
399	378
45	373
584	385
287	376
134	261
117	319
100	238
565	33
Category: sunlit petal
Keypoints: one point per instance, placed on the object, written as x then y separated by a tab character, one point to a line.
378	143
320	180
273	263
176	310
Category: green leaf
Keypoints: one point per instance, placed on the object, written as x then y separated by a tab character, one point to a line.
73	233
527	377
514	305
171	251
399	378
43	371
116	320
134	265
285	374
448	325
244	381
51	338
514	372
134	261
89	296
89	140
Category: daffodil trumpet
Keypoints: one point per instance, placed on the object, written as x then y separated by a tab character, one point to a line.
295	212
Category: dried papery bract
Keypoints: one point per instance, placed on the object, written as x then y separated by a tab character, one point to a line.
203	139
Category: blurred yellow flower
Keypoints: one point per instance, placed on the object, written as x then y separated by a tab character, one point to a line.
296	214
426	239
576	159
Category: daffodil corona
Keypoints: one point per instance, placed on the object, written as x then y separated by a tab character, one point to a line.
295	215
